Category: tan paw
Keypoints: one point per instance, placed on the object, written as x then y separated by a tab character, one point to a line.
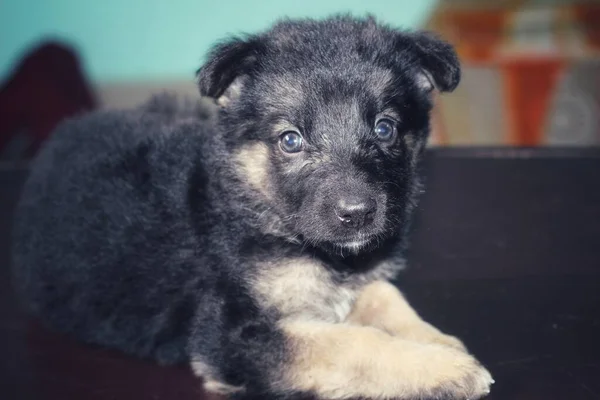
454	374
422	371
434	336
425	371
423	332
337	361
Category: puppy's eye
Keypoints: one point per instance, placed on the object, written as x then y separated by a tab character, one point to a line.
385	129
291	142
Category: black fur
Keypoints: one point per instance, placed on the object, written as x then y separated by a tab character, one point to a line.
137	231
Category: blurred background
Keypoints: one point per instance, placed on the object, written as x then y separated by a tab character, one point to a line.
531	68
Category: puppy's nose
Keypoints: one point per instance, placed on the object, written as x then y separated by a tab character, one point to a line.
355	211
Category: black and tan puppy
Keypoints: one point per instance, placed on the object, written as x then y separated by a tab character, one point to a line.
254	244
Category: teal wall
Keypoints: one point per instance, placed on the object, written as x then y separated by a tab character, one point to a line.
162	39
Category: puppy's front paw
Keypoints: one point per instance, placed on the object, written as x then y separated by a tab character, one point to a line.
427	333
337	361
454	374
450	341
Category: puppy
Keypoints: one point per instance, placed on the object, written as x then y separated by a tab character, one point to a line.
255	242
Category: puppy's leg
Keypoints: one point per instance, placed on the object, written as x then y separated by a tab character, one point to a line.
383	306
210	383
341	361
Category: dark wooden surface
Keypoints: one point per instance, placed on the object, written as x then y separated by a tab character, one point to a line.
505	254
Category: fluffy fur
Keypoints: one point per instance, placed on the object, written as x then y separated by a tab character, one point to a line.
187	233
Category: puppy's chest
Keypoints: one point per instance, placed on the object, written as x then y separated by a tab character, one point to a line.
302	288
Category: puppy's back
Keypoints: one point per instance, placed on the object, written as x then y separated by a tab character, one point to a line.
101	213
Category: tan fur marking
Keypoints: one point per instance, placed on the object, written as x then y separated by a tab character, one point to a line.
281	126
253	161
210	384
231	93
381	305
425	81
340	361
301	287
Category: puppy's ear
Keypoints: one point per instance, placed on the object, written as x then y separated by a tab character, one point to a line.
438	62
221	77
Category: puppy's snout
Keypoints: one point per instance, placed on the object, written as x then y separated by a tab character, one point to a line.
356	211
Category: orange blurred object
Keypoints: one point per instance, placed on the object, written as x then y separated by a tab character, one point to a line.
531	72
530	83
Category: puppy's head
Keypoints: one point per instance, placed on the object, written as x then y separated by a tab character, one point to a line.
326	120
